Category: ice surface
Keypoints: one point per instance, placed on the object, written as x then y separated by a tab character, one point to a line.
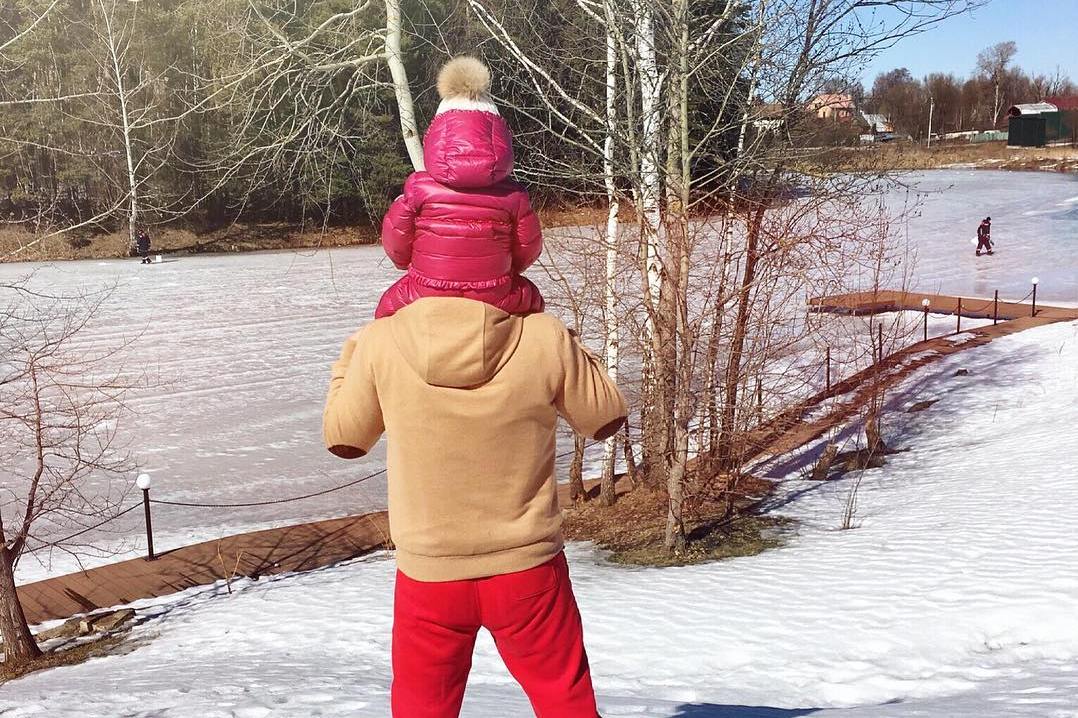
1034	229
954	598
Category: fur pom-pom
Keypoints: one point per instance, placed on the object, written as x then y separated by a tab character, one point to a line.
464	76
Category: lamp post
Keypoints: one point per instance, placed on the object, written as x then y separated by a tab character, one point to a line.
924	305
1036	281
143	482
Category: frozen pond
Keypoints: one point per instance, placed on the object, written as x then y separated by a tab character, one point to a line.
242	346
1034	229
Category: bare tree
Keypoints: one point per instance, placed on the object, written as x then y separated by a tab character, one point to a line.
62	449
992	63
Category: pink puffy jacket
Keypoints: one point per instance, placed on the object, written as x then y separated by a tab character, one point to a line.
462	228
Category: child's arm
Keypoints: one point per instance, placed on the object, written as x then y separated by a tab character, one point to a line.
398	228
528	235
352	420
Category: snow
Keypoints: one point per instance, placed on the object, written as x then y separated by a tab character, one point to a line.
955	596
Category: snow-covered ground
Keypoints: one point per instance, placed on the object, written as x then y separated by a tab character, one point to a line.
954	597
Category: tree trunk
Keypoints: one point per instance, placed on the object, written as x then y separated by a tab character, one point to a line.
403	91
737	343
125	122
606	489
19	645
630	459
576	470
654	439
683	339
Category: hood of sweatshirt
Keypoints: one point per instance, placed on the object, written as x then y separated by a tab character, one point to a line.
455	342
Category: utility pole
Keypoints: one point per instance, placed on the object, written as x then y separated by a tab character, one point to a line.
931	107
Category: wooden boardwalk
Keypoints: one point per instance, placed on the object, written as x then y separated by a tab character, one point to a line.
313	545
300	547
803	422
859	303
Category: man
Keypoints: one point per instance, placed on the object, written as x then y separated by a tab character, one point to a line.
142	242
984	236
468	397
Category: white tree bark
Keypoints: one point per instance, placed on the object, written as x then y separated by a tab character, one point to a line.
117	66
610	290
403	91
650	142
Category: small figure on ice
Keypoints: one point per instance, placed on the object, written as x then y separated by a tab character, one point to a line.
984	236
142	243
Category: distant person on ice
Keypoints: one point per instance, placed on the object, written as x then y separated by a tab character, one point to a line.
984	236
462	228
142	243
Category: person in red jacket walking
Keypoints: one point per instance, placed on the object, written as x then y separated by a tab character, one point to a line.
462	228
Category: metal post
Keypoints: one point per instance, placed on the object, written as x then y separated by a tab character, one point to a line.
995	308
931	107
149	525
1034	310
926	324
958	327
828	361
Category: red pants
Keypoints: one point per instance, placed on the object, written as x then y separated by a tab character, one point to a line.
536	626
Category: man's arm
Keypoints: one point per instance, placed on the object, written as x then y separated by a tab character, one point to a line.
588	399
352	420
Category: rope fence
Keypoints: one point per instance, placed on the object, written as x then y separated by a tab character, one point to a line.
244	504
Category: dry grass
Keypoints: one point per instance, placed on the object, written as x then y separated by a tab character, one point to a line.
18	244
236	238
634	528
986	155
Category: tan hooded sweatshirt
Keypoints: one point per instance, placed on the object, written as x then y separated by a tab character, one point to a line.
468	397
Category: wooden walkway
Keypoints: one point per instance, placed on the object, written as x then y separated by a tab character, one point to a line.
313	545
859	303
804	422
300	547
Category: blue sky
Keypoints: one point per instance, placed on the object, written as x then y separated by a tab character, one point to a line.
1046	32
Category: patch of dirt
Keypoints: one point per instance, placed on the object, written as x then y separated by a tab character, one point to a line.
18	244
69	655
726	526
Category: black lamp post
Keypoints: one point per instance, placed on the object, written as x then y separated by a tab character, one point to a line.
1036	281
143	482
925	304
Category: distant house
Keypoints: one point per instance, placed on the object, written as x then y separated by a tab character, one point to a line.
768	116
877	124
1037	124
832	106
